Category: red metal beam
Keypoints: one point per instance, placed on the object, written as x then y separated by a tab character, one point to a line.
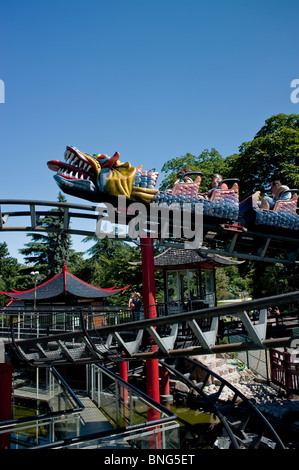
5	401
149	303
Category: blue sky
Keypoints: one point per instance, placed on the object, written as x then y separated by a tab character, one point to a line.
150	79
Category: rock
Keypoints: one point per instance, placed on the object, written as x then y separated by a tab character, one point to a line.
181	387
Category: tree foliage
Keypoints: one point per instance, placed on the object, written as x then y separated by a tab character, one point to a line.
272	154
208	162
48	252
231	284
114	262
11	274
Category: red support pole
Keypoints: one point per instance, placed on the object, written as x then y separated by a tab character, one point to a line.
149	303
165	388
123	370
123	373
5	401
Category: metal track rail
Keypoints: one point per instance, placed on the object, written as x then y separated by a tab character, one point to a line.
37	210
135	340
229	415
272	246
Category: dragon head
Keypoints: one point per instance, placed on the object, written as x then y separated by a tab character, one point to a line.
99	178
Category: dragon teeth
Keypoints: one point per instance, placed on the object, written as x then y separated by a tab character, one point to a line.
72	159
67	154
72	174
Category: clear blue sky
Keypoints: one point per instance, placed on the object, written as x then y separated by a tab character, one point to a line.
151	79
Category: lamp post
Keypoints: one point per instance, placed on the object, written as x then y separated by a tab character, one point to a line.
35	275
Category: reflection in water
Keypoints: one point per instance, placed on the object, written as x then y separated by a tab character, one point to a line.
198	429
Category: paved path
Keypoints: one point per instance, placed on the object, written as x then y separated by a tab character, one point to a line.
92	419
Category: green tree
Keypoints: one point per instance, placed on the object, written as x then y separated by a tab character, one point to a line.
11	274
271	279
208	162
272	154
48	252
110	264
231	282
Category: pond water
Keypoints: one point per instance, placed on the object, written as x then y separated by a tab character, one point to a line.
198	429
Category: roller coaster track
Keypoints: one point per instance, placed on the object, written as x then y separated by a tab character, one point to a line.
218	237
177	336
182	334
167	333
243	424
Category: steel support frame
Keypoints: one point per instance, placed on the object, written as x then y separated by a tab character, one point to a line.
234	246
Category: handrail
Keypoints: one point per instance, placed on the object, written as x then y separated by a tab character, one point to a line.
221	310
121	431
205	312
170	416
9	424
159	407
48	203
6	426
91	336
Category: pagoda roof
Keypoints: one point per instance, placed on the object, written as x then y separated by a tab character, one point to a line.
64	283
176	258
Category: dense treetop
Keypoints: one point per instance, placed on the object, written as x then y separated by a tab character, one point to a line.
273	153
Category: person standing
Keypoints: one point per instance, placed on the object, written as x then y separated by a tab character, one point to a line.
137	306
131	303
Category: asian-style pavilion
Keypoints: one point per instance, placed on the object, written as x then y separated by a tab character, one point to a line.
64	288
189	278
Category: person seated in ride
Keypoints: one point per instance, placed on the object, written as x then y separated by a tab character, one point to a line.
216	184
277	189
186	179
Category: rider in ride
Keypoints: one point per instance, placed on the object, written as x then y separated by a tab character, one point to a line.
216	184
181	178
277	189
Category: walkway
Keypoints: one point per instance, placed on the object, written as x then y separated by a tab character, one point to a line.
94	421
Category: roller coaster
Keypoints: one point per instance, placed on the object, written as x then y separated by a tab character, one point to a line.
233	228
229	228
234	238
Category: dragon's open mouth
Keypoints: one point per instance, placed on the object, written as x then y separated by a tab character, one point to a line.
77	166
